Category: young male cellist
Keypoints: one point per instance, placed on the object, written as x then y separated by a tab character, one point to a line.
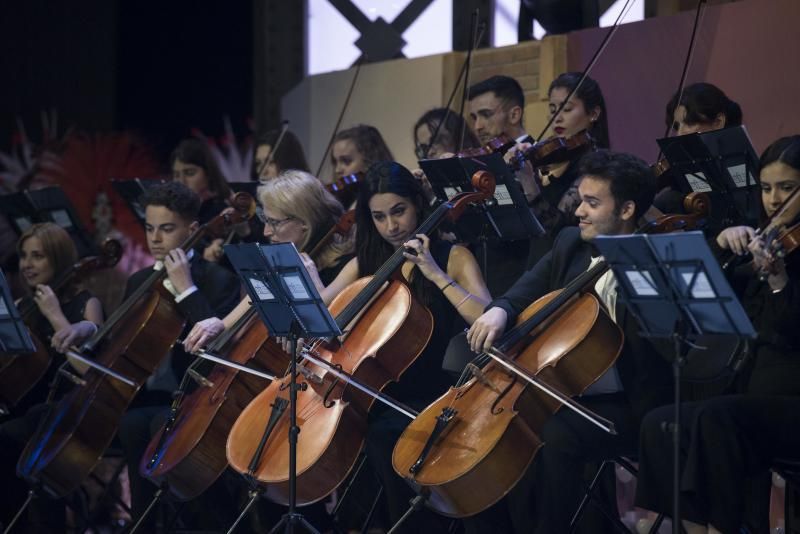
201	289
615	190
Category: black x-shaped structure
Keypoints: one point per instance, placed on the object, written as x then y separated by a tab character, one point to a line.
381	40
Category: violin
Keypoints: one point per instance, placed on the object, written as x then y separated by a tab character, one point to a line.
345	189
133	342
386	330
697	207
776	225
19	374
499	145
484	432
188	452
555	150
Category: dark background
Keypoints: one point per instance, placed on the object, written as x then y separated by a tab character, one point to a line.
158	68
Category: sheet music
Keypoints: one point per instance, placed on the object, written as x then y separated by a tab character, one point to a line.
61	218
451	192
261	289
642	283
702	287
739	175
296	287
698	182
502	195
23	223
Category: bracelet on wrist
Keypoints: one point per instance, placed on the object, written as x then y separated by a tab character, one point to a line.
448	284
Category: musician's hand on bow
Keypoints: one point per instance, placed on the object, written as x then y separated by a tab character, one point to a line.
72	335
486	329
768	264
202	333
736	239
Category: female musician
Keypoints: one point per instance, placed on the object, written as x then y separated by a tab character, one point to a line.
558	184
703	107
295	208
356	148
448	127
288	154
193	165
68	318
445	277
729	439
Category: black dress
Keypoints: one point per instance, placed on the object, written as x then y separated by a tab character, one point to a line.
420	385
555	208
730	439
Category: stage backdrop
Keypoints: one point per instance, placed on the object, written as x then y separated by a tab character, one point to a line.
748	48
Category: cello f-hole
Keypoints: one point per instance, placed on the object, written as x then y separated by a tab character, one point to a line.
495	410
325	402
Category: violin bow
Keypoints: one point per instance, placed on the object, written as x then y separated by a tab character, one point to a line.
341	113
465	67
609	34
686	63
271	157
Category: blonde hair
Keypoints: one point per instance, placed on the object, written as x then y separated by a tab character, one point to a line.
57	245
300	195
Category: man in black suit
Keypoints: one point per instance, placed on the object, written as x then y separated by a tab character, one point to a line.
201	290
615	190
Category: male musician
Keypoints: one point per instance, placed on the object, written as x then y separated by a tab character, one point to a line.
201	290
615	190
495	108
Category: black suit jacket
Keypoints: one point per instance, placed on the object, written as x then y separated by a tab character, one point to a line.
643	364
218	292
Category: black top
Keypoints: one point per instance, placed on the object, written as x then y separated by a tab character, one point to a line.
425	380
643	365
775	368
555	208
218	292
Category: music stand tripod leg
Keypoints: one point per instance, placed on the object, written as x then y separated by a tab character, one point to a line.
416	504
156	498
28	499
292	517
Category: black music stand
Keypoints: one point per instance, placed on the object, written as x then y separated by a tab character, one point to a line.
14	335
676	289
288	303
507	214
131	191
50	204
721	163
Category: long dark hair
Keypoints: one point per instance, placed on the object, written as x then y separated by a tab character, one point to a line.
785	150
703	102
592	97
196	152
449	130
368	141
372	250
288	155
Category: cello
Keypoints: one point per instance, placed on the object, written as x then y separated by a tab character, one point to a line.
188	452
132	343
484	432
20	373
386	329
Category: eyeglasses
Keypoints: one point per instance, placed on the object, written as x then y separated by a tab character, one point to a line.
273	223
